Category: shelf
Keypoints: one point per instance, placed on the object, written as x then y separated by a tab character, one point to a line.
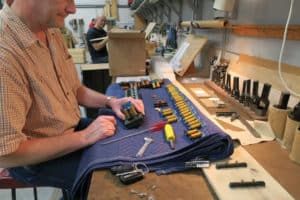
267	31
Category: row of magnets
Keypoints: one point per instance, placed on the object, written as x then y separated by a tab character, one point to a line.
185	111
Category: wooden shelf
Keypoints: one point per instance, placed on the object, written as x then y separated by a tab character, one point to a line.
240	107
267	31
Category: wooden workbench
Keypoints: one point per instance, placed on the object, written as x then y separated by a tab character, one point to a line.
192	184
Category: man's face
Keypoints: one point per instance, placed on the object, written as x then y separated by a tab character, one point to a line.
52	13
101	21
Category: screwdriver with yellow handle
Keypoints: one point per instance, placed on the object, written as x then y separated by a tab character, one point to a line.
170	135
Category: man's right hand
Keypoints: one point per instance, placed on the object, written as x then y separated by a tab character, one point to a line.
102	127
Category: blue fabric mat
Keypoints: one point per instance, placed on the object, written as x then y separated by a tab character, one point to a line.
159	157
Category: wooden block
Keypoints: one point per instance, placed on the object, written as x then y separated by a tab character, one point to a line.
127	53
78	55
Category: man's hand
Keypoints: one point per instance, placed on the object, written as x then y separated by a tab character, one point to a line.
102	127
116	105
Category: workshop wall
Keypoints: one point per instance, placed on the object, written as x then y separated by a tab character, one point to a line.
256	12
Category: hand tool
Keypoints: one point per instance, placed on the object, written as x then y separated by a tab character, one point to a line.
154	127
245	123
142	150
170	135
235	115
197	164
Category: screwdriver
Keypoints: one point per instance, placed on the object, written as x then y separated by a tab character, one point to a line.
170	135
154	127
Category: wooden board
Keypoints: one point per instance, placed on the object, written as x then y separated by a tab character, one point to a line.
239	107
127	53
219	179
196	43
114	9
105	186
100	66
78	55
149	28
267	31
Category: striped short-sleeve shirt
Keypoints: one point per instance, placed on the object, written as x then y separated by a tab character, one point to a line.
38	84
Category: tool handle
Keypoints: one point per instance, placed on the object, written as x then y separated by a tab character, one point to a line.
169	132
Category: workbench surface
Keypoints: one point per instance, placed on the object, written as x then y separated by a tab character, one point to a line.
192	184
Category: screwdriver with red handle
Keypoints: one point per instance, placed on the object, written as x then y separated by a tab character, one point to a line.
154	127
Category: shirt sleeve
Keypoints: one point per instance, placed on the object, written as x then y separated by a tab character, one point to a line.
14	104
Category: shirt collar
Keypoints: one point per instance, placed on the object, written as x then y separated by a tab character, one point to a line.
19	28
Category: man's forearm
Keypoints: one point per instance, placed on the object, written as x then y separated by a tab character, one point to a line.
99	45
90	98
38	150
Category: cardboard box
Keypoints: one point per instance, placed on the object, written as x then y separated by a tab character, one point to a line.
78	55
127	53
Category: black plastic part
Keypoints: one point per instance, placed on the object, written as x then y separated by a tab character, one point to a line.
228	83
247	184
247	101
254	97
263	103
131	177
283	101
236	88
230	165
243	95
226	113
295	114
121	169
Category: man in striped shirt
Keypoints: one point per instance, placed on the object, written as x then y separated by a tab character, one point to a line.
40	128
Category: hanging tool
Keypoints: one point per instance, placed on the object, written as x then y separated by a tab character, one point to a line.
170	135
154	127
236	115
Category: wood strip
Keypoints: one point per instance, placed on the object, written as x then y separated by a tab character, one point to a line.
87	67
268	31
204	24
114	9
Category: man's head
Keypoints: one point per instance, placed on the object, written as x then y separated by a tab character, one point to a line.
100	21
42	14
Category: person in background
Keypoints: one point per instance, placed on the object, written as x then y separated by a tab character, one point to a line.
97	80
96	40
41	132
92	23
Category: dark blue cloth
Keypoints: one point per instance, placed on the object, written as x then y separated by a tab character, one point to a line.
159	157
60	172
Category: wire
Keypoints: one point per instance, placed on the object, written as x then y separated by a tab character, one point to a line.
281	52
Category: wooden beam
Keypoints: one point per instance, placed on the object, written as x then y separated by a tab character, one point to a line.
268	31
